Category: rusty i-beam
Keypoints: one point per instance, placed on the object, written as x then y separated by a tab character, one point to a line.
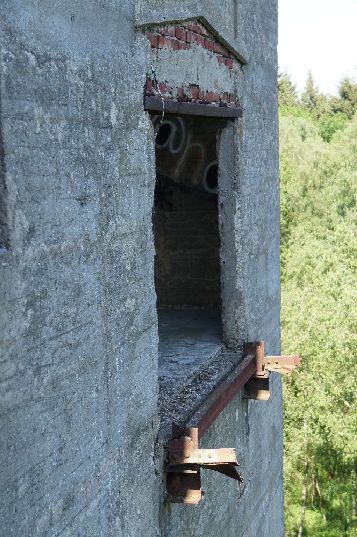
184	458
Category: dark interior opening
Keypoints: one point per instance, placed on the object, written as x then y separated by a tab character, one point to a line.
187	242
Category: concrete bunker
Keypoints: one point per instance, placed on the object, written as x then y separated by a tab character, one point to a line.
80	432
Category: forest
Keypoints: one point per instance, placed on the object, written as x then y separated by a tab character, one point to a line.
318	169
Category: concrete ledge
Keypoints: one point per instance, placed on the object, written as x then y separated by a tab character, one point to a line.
179	401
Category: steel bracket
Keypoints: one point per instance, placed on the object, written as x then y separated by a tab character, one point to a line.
185	461
184	457
257	386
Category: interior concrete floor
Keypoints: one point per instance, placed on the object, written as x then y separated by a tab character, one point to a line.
188	337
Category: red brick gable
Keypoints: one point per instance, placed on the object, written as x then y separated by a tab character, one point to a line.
183	36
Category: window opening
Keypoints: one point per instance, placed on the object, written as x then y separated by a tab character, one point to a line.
187	243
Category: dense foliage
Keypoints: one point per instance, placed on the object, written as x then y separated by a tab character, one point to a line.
318	161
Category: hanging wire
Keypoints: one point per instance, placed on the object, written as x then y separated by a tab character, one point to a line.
162	100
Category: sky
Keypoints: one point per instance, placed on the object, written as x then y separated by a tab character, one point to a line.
321	36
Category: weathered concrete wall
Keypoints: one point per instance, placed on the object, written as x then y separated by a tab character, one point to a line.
78	320
79	336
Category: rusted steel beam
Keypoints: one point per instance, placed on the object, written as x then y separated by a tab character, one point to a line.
154	104
222	395
284	365
253	372
184	462
185	459
259	353
205	456
184	487
281	364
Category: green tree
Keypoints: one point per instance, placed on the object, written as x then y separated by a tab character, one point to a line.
319	318
318	104
331	123
346	102
287	92
310	96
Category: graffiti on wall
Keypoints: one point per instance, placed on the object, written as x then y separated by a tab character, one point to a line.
186	152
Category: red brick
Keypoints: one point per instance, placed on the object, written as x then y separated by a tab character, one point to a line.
199	39
180	33
154	39
212	97
197	28
164	42
195	92
189	26
149	86
182	46
209	44
175	45
181	93
189	37
219	49
164	88
232	98
168	31
229	63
